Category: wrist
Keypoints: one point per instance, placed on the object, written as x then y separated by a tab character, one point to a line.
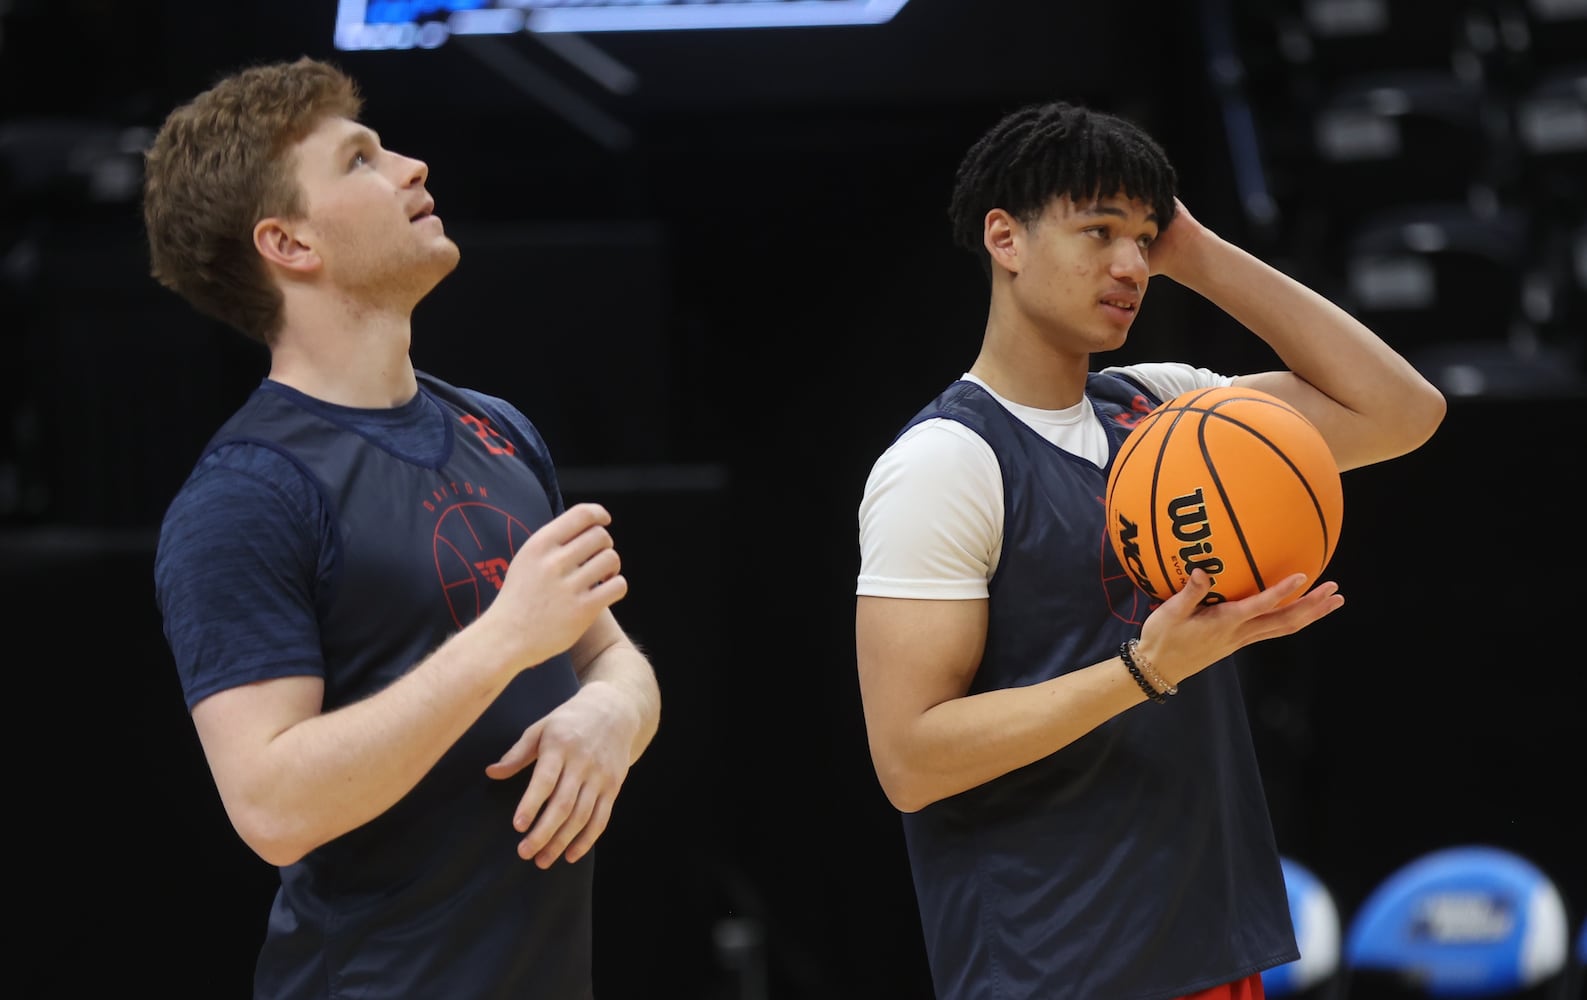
1146	676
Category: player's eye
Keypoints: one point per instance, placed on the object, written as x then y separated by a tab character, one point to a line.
359	159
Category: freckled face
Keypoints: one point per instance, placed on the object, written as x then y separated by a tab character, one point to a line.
1083	270
369	217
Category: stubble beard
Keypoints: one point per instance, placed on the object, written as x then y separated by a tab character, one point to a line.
412	280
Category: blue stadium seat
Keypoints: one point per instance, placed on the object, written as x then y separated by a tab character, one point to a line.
1315	975
1581	962
1465	921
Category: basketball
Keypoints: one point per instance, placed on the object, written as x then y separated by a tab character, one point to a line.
1229	480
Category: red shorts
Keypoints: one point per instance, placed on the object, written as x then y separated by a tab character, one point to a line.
1249	988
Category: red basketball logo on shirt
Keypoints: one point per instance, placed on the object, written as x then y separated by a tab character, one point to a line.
474	542
1126	601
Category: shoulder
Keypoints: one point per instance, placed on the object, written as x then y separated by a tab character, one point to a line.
466	395
930	521
508	421
239	476
1167	379
236	567
235	494
506	412
965	401
495	408
933	448
937	472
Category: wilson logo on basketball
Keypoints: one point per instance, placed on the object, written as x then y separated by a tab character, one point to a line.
1187	519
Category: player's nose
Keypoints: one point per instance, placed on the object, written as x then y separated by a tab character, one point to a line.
412	171
1129	262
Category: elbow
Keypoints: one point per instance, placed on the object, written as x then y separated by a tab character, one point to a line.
275	841
1433	411
1417	415
904	787
1424	413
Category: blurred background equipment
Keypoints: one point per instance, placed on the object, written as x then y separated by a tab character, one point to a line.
385	24
1317	974
1424	162
1461	921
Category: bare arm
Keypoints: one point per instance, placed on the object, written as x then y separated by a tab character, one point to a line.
293	778
929	739
583	749
606	655
1369	402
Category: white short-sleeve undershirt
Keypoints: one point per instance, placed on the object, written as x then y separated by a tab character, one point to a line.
931	517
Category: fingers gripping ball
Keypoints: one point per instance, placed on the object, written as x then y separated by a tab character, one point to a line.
1230	480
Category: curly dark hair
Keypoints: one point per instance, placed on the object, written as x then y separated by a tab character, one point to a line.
219	164
1048	150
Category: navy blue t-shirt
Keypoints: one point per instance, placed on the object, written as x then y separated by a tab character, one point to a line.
1138	862
321	540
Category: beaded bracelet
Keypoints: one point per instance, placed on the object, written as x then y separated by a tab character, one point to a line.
1146	668
1125	649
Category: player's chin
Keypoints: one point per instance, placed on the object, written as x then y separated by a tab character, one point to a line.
1112	340
434	269
444	256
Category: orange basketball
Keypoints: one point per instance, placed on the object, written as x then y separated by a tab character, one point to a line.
1232	481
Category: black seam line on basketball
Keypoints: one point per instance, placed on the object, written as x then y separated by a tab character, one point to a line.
1134	441
1151	502
1300	477
1188	404
1223	496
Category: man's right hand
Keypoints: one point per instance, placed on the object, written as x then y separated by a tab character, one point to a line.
566	574
1183	636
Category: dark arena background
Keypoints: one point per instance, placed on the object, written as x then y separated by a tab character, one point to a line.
705	248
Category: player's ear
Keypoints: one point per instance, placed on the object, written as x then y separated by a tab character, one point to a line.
279	242
999	235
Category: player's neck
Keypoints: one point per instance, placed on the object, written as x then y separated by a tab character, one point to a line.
1030	373
346	356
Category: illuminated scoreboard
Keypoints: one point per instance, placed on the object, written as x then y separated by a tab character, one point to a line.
408	24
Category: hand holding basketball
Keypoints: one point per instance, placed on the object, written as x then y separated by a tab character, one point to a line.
1232	481
1186	634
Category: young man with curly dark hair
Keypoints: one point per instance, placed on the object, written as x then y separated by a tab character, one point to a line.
1067	840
